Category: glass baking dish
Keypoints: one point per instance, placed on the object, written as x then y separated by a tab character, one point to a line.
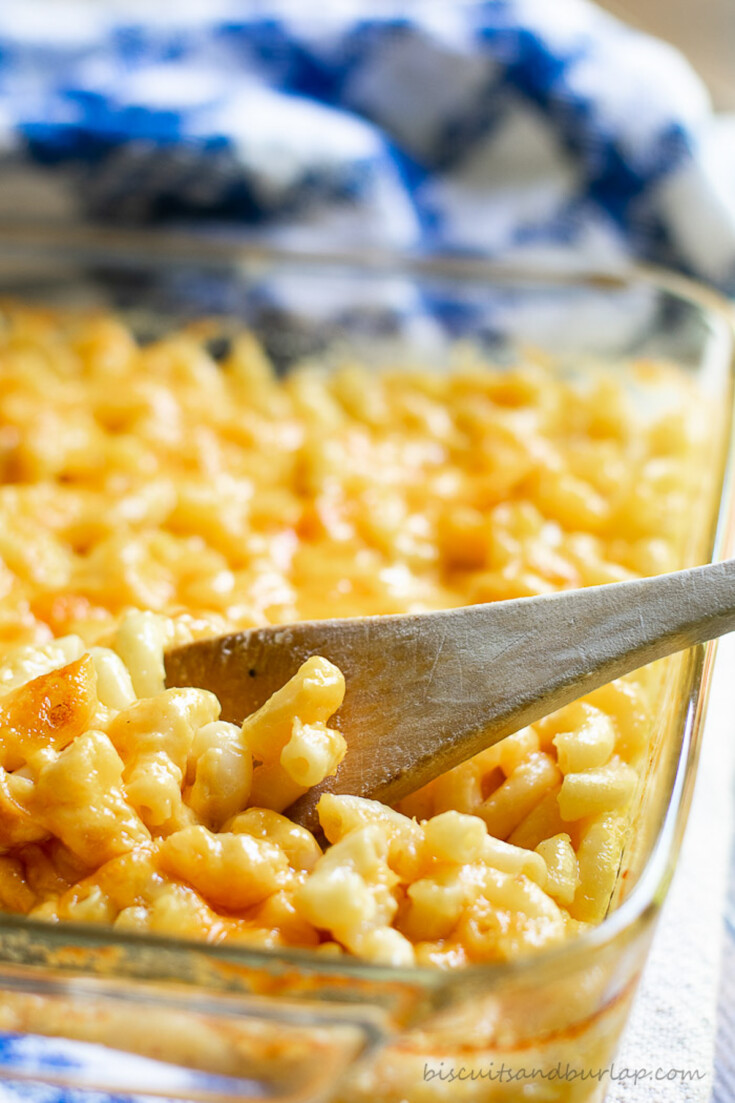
192	1021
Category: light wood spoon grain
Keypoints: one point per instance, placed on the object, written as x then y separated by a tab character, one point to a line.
427	691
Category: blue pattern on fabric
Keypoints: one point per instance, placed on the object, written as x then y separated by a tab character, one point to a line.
496	127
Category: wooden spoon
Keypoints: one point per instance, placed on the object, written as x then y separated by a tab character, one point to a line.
427	691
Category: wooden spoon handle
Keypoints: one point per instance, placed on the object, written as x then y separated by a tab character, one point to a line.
501	666
572	642
427	691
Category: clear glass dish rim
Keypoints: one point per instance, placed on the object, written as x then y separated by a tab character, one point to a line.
213	246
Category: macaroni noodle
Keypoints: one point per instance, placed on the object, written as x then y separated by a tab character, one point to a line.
150	496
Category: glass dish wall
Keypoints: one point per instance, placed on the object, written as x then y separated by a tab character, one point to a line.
211	1022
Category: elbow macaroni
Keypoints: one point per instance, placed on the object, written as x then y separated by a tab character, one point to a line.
149	496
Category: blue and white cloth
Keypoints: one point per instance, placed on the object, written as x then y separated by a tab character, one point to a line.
513	127
527	129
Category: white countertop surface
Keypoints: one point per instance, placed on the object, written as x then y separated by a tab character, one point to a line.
674	1020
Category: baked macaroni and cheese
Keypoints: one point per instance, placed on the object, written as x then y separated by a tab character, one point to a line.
151	495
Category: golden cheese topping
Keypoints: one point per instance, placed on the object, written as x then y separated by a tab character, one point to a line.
150	495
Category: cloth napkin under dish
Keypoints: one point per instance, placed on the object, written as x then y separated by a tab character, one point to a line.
524	129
